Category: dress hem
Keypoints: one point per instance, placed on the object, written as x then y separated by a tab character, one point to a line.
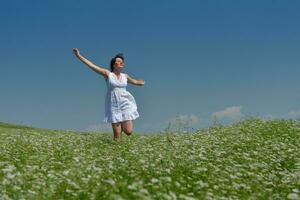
121	118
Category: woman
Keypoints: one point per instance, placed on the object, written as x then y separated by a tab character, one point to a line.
120	105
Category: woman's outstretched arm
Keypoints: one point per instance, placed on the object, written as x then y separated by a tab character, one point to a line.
104	72
134	82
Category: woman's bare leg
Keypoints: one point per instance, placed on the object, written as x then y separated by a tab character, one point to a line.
127	127
117	128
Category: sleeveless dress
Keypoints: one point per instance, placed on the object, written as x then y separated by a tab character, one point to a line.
120	105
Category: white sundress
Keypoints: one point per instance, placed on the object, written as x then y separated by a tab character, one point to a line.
120	105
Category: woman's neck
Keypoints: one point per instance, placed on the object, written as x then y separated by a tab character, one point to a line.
117	72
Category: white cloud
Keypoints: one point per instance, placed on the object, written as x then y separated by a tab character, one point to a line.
292	115
232	113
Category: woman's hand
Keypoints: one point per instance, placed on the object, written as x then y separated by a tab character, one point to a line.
76	52
141	82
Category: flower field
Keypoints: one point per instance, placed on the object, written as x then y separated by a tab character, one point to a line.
252	159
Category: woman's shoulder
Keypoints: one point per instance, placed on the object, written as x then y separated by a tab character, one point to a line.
108	75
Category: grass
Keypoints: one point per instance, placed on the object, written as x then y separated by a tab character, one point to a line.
252	159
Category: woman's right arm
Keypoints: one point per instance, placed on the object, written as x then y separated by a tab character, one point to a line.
104	72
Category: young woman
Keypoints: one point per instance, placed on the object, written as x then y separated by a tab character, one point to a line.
120	105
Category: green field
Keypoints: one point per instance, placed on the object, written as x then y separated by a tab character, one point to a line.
252	159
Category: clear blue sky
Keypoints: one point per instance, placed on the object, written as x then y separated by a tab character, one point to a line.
199	59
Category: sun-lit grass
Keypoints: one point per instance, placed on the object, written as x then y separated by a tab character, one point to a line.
253	159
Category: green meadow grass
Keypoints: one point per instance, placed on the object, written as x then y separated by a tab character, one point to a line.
252	159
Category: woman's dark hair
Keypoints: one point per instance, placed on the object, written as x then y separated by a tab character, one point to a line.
113	60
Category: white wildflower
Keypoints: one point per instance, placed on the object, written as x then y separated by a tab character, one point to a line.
296	190
173	195
201	184
154	180
9	169
293	196
110	181
66	172
132	187
185	197
76	159
144	191
166	178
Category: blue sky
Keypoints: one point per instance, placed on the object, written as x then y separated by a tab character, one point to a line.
200	59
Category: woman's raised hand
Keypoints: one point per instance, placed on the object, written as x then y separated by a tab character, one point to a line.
76	51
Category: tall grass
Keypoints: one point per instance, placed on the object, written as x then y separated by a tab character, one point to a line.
252	159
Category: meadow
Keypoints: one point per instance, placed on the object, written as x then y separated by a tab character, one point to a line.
251	159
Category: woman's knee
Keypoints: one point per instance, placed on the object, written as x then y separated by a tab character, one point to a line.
128	131
127	127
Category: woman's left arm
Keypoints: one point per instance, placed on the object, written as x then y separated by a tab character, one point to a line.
134	82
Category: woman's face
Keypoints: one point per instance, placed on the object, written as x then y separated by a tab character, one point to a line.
119	63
